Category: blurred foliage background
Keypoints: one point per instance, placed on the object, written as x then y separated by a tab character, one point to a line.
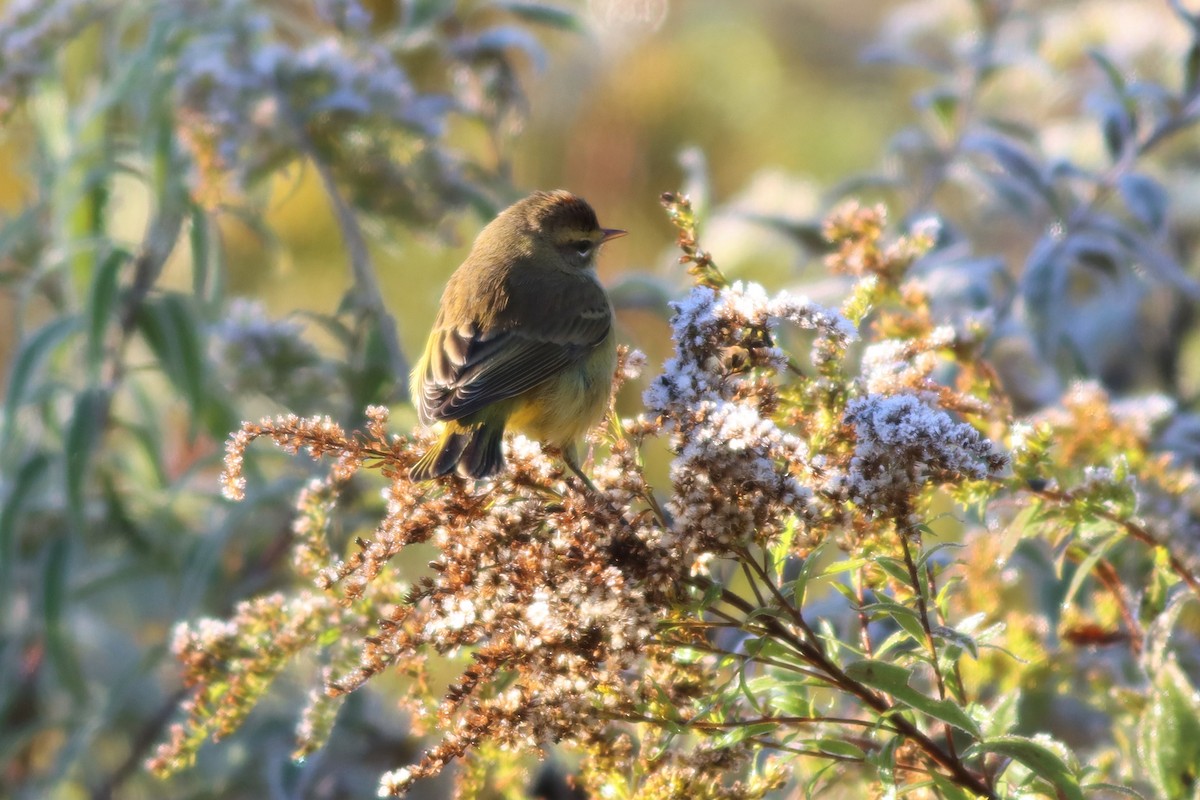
213	210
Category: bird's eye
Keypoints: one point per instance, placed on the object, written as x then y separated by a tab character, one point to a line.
584	248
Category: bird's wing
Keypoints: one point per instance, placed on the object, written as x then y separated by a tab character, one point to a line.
469	369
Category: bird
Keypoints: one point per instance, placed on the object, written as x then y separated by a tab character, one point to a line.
523	340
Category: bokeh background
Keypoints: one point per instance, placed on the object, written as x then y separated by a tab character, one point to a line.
771	102
767	112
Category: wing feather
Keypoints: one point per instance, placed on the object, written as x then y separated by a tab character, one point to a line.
469	368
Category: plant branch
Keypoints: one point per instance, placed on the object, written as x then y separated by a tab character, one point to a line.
948	760
1134	530
366	293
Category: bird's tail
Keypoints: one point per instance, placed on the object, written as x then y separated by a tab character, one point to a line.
474	452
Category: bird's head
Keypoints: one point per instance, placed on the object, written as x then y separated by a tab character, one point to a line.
561	224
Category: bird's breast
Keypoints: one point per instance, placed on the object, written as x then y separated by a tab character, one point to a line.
562	408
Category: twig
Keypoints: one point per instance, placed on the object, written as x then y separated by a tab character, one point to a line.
1108	576
146	737
923	609
816	656
367	294
1134	530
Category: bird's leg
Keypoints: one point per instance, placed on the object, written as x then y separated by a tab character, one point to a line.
571	459
586	480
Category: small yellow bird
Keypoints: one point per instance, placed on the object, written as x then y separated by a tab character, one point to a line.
523	339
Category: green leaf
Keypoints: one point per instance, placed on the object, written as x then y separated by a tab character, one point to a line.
1145	198
59	640
1001	716
838	747
925	555
781	550
893	680
790	696
797	587
101	302
1092	788
25	484
944	103
953	637
1158	633
1014	159
1168	741
1191	70
1038	757
1115	79
1085	568
745	689
905	617
426	13
542	14
896	568
744	732
83	434
34	350
172	330
373	379
948	789
201	252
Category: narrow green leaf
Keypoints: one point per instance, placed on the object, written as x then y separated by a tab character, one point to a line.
1040	759
744	732
83	434
1115	79
1107	788
893	680
745	689
34	350
905	617
59	641
27	481
895	568
791	698
797	587
1014	159
927	554
1085	568
102	300
955	638
781	549
172	330
1191	70
1168	741
948	789
1145	198
543	14
1158	634
200	250
838	747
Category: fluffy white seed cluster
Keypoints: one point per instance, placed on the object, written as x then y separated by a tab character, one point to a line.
734	470
731	469
707	322
902	443
896	365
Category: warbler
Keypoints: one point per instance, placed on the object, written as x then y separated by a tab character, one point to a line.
523	339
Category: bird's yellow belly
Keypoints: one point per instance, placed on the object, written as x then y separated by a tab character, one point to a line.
561	409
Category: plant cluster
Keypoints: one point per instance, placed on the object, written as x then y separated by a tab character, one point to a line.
782	594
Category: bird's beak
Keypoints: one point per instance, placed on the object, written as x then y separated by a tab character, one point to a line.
612	233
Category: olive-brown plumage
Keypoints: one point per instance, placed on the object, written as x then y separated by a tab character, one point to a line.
523	339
